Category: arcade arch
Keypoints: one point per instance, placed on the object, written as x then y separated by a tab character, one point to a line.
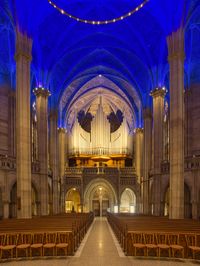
187	202
13	201
128	201
72	201
99	197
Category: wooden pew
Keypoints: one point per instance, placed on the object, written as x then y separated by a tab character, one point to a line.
74	224
126	225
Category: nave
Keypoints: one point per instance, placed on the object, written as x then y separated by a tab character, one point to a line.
100	248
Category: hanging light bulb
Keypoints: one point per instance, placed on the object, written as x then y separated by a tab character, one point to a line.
101	22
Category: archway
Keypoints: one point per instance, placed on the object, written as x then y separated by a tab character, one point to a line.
187	202
128	201
99	197
72	201
13	201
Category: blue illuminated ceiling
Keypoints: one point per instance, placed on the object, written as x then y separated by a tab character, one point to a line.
131	51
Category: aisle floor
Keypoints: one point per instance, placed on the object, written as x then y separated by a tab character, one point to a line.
100	248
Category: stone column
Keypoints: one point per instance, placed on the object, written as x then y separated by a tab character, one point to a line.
6	209
176	62
147	151
42	129
138	152
61	147
53	119
195	194
158	96
139	161
23	146
12	123
6	196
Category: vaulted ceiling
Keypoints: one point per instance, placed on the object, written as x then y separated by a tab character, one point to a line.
131	53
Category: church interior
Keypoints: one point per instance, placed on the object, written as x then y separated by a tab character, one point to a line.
99	132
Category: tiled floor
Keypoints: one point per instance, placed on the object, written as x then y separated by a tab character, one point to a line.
99	248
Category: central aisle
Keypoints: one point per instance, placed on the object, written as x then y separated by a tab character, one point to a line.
99	248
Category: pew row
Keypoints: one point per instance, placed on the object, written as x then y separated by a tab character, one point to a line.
156	236
43	236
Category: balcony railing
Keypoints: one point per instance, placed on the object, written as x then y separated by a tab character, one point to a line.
190	163
7	163
99	151
127	171
79	171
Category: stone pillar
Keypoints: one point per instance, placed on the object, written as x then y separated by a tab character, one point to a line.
176	61
53	119
61	147
23	146
138	152
147	151
138	161
195	194
42	129
6	209
12	124
158	96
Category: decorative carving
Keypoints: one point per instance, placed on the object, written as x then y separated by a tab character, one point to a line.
158	92
41	92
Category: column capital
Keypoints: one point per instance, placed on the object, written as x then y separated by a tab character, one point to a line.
41	92
23	46
61	130
175	43
139	130
158	92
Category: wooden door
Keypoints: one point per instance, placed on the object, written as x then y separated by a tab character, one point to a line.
96	207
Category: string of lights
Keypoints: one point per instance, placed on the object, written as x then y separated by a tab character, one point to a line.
98	22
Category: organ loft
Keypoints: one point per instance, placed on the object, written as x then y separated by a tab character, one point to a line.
100	146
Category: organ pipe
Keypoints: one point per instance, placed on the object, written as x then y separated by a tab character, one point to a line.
100	141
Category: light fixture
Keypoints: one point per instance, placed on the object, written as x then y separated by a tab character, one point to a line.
41	91
98	22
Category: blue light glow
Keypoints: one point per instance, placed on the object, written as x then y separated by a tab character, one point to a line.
132	51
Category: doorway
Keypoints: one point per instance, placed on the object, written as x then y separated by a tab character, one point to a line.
73	201
128	201
99	197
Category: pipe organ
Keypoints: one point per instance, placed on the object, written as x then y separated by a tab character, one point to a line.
100	132
100	146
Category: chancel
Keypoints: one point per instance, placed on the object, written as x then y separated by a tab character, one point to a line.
99	132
